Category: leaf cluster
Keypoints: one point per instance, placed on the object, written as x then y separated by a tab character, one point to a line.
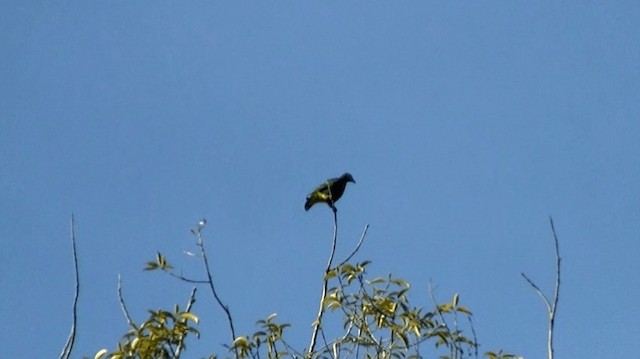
161	336
379	321
268	338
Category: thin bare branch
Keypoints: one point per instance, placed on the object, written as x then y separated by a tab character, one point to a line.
355	250
122	305
68	347
188	280
553	303
225	308
535	287
192	300
556	292
475	339
325	283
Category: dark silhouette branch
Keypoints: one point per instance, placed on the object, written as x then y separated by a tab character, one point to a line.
552	303
225	308
188	280
68	347
122	305
355	250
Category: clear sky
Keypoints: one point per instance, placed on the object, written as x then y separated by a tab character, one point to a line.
465	125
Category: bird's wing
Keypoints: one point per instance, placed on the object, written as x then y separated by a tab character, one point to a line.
323	189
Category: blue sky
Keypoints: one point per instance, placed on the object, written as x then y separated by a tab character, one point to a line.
464	124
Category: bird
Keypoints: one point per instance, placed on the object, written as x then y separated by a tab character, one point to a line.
329	192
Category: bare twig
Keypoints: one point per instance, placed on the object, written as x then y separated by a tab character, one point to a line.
225	308
325	283
355	250
192	300
475	339
68	347
188	280
535	287
122	305
553	303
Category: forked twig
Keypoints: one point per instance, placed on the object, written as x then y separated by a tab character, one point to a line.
225	308
553	303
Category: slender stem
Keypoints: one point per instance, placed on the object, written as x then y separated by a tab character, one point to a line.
188	280
224	307
475	338
550	304
355	250
318	322
122	305
68	347
556	292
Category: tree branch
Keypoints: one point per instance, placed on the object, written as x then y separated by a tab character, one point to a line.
225	308
553	303
318	322
122	305
355	250
68	347
188	280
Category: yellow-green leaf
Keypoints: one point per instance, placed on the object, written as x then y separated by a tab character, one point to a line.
331	301
404	338
100	354
330	274
188	316
464	310
241	342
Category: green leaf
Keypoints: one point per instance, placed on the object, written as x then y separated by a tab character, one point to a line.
377	280
331	301
401	283
347	268
404	338
100	354
464	310
188	316
241	342
330	274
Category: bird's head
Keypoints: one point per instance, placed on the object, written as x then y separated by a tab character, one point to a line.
348	177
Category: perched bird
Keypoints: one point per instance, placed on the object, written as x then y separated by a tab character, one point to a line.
329	192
